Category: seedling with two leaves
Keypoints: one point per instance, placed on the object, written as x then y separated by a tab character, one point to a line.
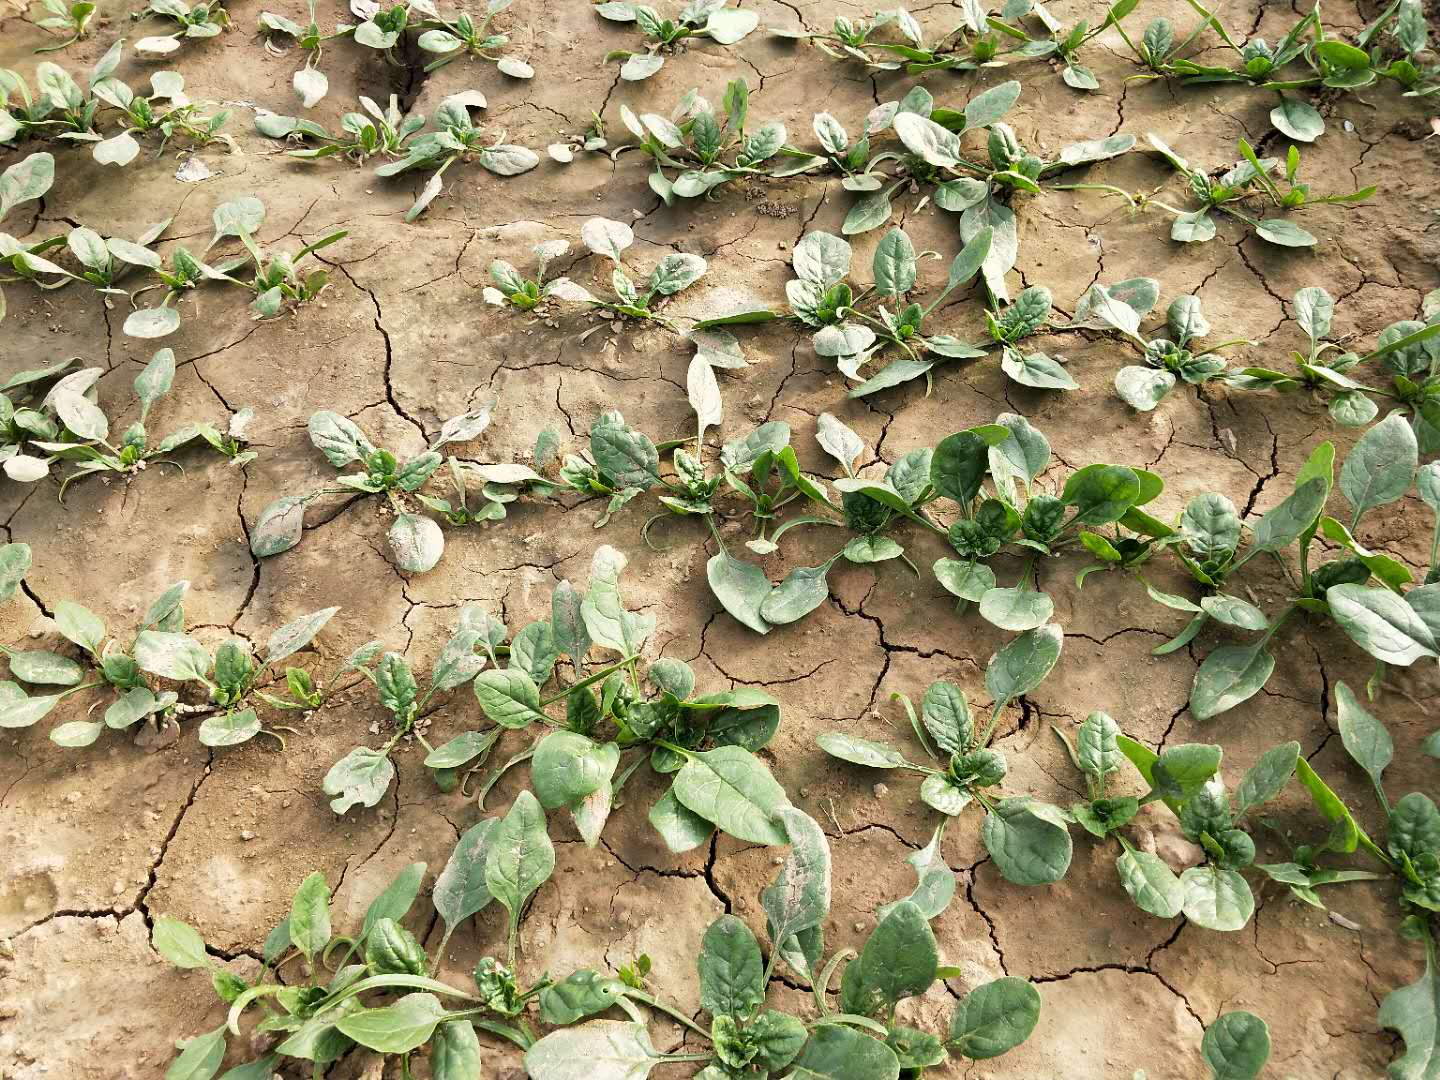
462	36
415	540
859	1037
104	261
1408	351
1186	779
514	289
714	19
382	994
1027	838
71	427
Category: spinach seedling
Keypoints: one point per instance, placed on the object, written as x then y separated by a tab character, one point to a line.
698	18
23	416
1168	359
230	676
103	261
1185	778
525	294
62	110
415	541
203	20
362	135
1013	453
316	1019
456	138
105	661
1026	837
1058	44
706	152
1388	622
1247	182
1410	854
363	775
672	274
864	1038
706	742
72	427
1408	351
461	36
72	20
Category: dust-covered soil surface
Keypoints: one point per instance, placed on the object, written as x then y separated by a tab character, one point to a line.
99	842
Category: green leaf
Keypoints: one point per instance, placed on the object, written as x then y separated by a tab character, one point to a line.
461	890
1299	120
1230	675
27	179
680	828
202	1056
894	262
179	942
1366	739
1101	494
310	916
802	591
14	564
171	656
45	668
732	788
521	857
935	881
294	636
1180	771
568	766
509	698
1382	624
1267	777
603	612
858	751
1381	467
994	1018
1217	899
416	542
834	1052
800	897
1151	883
731	969
229	728
1284	233
946	716
1283	525
1028	840
455	1052
80	625
1096	747
361	776
395	902
596	1050
1414	1012
1023	663
1236	1046
899	961
741	587
985	109
397	1028
1037	370
1016	609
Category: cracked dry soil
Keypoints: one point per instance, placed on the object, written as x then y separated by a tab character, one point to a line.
98	842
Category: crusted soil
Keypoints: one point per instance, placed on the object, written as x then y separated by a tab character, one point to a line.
99	842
